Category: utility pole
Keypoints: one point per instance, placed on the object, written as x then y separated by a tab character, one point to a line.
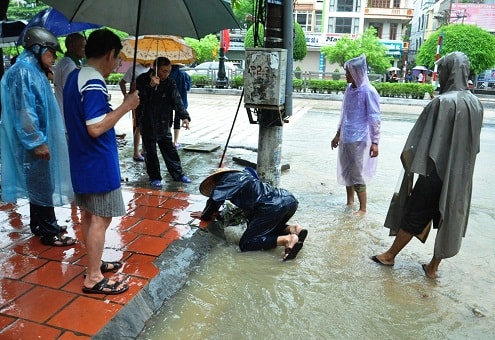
278	34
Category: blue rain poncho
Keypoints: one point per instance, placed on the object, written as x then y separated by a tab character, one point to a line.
359	126
31	117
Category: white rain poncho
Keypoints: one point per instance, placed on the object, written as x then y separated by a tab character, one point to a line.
31	117
359	126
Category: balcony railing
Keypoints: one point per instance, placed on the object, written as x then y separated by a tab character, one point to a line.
389	12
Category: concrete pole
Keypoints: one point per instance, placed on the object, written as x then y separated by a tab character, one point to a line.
289	37
270	124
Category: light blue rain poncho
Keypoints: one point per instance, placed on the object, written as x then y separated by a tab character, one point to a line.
31	117
359	126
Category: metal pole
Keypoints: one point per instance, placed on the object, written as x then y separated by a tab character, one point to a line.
289	37
437	56
270	124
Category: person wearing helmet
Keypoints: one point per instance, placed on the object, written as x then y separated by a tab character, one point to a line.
35	161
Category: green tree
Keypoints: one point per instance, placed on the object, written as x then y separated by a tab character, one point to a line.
369	44
472	40
243	10
300	48
206	49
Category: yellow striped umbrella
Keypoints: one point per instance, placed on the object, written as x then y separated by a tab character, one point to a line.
151	47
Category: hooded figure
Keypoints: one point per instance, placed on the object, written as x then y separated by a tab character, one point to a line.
441	148
35	161
358	132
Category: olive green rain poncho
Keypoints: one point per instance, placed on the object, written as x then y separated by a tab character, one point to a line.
446	136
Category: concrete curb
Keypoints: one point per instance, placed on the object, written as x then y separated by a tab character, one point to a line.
175	266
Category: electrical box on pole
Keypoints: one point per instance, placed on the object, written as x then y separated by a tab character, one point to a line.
265	78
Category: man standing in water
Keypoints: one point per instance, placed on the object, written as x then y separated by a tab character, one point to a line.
441	148
358	132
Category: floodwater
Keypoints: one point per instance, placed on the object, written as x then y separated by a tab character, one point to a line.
332	290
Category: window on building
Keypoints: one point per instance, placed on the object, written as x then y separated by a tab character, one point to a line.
304	18
396	4
379	3
378	27
345	5
318	21
393	32
343	25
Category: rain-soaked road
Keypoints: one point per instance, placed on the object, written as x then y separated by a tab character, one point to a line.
332	290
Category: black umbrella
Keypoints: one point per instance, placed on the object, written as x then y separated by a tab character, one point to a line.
10	31
187	18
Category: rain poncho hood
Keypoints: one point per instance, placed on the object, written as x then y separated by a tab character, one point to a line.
446	137
31	117
359	126
358	69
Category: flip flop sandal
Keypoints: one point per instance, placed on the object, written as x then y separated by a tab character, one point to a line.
52	240
103	287
291	253
302	235
106	267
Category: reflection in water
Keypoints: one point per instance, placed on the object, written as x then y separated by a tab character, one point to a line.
332	290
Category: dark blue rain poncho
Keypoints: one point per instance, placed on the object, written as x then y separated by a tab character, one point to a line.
31	117
267	209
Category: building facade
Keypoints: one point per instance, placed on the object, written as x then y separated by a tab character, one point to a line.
351	17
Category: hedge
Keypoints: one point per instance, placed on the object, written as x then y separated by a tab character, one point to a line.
399	90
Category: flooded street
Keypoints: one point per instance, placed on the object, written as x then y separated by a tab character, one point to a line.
332	290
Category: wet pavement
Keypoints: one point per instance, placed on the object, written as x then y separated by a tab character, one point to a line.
157	240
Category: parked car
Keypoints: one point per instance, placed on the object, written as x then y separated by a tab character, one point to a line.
211	68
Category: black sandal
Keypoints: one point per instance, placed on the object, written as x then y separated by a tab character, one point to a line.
105	266
62	241
103	287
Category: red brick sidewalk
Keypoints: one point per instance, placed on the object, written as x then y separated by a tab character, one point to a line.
41	285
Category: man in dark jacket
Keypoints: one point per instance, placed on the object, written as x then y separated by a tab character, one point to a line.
266	209
158	98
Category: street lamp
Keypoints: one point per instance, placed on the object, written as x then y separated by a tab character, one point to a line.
222	80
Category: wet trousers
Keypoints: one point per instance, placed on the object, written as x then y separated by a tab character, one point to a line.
42	213
169	154
43	221
267	224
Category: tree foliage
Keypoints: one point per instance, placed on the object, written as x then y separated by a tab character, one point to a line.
300	48
207	48
475	42
243	11
24	12
369	44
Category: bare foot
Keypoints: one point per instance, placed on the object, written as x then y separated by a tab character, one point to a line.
292	248
360	212
293	240
381	260
429	273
